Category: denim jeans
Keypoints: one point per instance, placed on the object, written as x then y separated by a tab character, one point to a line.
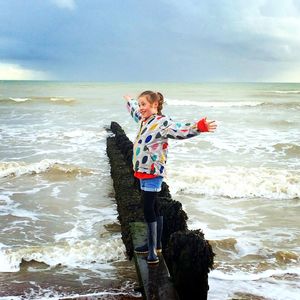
151	184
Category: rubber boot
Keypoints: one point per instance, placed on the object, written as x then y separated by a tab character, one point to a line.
141	249
152	238
144	248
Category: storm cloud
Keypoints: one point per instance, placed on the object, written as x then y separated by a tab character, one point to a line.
165	40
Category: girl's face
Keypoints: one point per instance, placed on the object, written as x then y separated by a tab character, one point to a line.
146	108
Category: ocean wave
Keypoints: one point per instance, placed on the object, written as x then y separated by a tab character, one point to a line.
283	123
77	136
13	100
87	134
83	254
282	287
284	257
177	102
288	148
38	292
250	276
18	100
237	182
268	104
289	105
250	254
285	92
225	244
50	166
62	99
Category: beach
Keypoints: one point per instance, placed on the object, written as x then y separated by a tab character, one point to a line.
60	235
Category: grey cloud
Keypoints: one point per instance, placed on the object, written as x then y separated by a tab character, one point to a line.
162	40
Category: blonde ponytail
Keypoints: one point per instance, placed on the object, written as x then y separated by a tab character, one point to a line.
160	103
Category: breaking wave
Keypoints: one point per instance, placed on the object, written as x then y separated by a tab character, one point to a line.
16	100
238	182
20	99
245	276
280	105
177	102
285	92
73	254
288	148
54	167
61	99
211	103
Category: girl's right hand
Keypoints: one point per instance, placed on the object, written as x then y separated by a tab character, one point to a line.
127	97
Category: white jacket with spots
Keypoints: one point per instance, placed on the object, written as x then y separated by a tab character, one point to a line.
150	147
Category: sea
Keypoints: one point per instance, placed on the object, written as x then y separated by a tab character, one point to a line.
59	229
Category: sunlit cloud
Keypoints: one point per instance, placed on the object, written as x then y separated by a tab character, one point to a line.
291	74
68	4
16	72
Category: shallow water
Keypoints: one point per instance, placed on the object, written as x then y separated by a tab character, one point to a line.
241	185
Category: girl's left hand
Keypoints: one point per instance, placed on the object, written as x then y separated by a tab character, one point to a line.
211	125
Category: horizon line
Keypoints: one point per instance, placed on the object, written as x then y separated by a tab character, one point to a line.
152	82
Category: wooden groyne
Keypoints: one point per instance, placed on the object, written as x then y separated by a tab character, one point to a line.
188	257
155	280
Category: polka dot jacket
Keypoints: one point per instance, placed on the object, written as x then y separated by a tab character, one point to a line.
151	144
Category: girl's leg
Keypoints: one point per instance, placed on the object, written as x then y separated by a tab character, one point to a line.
149	213
160	222
150	189
150	206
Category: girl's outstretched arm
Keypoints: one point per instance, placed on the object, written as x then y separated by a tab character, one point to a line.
133	108
179	130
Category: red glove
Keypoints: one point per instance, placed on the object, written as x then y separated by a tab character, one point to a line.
202	125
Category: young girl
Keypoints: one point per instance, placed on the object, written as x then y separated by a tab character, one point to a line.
150	157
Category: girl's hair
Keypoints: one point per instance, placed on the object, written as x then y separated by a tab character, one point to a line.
152	97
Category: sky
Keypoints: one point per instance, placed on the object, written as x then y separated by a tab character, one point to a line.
150	41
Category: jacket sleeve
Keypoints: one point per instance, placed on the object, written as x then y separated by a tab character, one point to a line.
180	130
133	108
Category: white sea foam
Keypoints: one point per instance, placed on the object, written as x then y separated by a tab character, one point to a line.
247	276
59	99
81	253
237	182
21	168
79	133
5	199
185	102
81	136
85	224
20	99
2	246
55	191
13	210
227	104
273	289
126	289
62	99
248	246
285	92
9	207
